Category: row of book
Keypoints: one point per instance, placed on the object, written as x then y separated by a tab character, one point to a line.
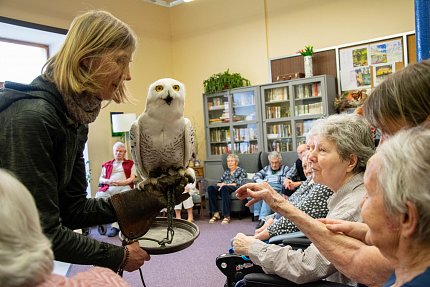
245	134
283	130
277	112
216	102
276	94
303	128
220	149
282	146
219	135
245	148
308	109
307	91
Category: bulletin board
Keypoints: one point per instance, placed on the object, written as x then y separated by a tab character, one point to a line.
366	65
356	66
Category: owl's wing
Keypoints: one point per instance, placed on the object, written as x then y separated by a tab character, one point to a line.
135	149
190	147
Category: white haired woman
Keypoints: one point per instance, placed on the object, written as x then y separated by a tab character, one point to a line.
401	101
396	207
342	146
25	252
231	179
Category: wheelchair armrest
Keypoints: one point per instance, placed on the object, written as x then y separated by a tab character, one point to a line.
268	280
297	243
278	239
235	266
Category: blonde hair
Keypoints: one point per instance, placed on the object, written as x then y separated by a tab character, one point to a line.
91	35
25	254
403	97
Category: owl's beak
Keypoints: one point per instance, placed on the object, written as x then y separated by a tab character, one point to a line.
168	99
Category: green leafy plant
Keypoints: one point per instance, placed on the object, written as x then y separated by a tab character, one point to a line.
307	51
224	81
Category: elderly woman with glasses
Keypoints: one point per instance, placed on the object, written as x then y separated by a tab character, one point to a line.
342	144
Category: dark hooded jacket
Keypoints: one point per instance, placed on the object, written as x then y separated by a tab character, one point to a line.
43	147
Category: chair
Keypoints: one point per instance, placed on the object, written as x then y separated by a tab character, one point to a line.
249	162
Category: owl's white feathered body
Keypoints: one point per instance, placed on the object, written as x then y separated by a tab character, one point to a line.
162	139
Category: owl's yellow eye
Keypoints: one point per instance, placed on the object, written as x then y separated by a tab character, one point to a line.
159	88
176	87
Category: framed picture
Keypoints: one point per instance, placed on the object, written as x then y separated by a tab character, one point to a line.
119	134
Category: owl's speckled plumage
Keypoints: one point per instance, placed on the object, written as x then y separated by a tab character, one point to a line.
162	139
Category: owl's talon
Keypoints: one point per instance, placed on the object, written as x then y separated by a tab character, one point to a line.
172	172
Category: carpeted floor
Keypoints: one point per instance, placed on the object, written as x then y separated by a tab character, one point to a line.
194	266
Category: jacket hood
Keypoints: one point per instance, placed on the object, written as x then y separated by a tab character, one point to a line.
39	88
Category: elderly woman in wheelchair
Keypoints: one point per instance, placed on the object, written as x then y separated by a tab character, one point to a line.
342	146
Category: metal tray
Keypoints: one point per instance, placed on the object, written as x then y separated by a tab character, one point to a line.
185	234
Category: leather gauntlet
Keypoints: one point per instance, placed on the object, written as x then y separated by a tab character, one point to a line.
137	209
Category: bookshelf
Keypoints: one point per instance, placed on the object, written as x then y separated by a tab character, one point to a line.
232	122
291	107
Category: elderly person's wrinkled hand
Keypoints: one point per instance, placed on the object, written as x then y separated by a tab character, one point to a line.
355	230
259	191
242	243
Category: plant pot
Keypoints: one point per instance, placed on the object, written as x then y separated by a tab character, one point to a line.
308	66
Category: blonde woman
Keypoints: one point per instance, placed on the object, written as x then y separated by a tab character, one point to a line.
44	127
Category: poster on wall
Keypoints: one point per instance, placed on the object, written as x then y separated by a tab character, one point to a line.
381	72
366	66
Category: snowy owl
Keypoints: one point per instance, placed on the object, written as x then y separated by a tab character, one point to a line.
162	139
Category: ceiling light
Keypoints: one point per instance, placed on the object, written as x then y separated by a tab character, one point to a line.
168	3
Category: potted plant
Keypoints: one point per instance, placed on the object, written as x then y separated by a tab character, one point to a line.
307	53
224	81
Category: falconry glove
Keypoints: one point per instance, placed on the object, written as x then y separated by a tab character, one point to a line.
137	209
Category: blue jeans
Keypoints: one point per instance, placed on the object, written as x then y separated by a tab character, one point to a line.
262	209
265	210
225	193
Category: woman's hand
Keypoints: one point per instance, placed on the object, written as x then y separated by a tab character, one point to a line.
242	243
136	257
291	185
220	185
259	191
355	230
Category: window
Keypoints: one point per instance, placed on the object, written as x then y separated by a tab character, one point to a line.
21	61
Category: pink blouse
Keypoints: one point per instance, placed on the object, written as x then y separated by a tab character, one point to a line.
94	277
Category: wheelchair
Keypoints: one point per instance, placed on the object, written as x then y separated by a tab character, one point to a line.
237	267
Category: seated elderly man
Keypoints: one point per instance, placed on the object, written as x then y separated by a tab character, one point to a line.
342	146
274	174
